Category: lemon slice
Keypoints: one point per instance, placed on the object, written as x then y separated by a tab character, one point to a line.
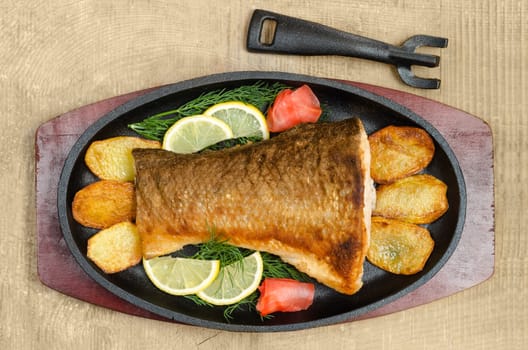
194	133
244	119
235	281
181	276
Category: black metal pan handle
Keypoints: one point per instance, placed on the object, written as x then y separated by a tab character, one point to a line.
276	33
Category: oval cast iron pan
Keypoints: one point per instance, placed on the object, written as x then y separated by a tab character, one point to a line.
341	101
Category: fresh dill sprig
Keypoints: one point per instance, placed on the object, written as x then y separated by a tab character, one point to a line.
248	302
217	248
197	300
325	115
259	94
274	267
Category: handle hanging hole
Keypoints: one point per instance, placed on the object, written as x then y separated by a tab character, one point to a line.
267	32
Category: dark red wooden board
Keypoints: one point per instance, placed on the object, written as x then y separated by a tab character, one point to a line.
471	263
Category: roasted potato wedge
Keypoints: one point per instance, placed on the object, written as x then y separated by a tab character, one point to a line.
399	247
104	203
398	152
418	199
115	248
111	159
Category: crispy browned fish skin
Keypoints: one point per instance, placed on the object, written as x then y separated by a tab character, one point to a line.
304	195
418	199
399	247
399	151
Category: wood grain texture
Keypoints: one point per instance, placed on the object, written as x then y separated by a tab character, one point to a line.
57	56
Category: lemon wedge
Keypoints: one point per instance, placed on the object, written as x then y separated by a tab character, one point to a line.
194	133
181	276
235	281
245	120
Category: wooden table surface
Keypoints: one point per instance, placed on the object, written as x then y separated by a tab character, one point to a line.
59	55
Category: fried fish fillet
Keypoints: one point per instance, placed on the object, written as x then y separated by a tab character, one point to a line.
305	195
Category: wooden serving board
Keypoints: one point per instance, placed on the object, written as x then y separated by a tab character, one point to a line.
471	263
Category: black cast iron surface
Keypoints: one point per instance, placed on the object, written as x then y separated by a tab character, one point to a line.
329	307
